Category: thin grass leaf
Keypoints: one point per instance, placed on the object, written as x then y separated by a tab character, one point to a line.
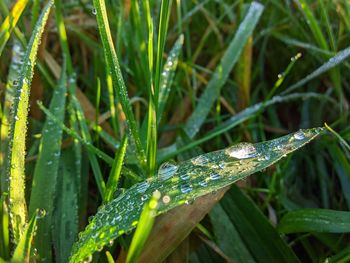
66	226
113	179
5	232
183	183
339	58
144	227
114	69
109	257
315	220
16	152
23	249
220	76
10	22
168	75
46	168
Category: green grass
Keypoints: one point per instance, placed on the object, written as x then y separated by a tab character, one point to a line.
122	125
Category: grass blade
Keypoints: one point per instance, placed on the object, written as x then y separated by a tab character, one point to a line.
118	82
66	208
144	228
232	54
113	179
315	220
22	251
46	169
16	152
10	22
183	183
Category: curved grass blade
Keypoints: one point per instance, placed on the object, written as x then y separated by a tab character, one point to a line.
315	220
184	183
46	169
22	251
222	71
10	22
114	69
18	130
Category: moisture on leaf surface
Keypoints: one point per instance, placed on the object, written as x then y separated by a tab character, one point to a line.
189	180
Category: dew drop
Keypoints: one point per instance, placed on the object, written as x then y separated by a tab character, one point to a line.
242	150
185	176
200	160
299	135
94	12
167	170
166	199
203	183
214	176
40	213
142	187
185	188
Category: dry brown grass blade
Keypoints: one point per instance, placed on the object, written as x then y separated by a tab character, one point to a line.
173	227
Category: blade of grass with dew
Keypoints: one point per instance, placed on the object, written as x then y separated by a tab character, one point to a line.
114	69
16	152
144	227
113	179
315	220
10	22
23	249
86	137
46	168
66	227
229	59
184	183
237	119
256	233
168	75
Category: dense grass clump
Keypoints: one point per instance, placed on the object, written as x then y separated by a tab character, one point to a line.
125	124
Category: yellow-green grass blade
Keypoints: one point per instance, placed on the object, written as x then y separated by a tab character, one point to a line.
46	169
181	184
144	228
114	176
114	69
23	250
18	130
221	74
10	22
65	230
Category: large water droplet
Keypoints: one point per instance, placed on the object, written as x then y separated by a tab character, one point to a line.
242	150
167	170
200	160
40	213
299	135
142	187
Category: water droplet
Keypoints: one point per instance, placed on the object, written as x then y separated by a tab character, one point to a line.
185	176
166	199
299	135
142	187
200	160
279	76
16	118
15	83
242	150
185	188
94	12
214	176
167	170
40	213
203	183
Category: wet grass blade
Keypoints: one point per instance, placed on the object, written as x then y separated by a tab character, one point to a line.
23	249
10	22
183	183
315	220
232	54
16	152
144	228
46	168
113	179
117	78
339	58
66	211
